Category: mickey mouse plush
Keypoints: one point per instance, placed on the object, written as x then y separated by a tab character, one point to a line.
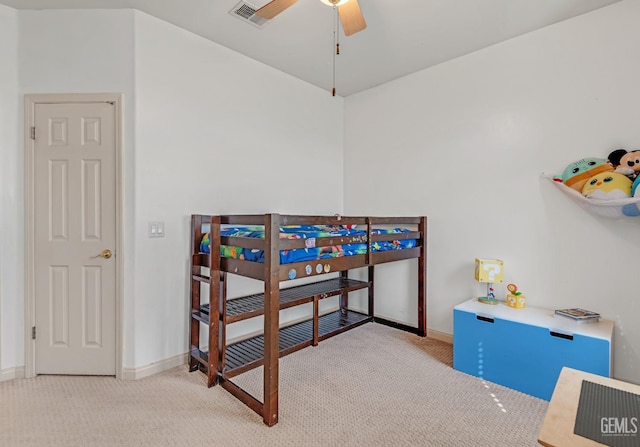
624	162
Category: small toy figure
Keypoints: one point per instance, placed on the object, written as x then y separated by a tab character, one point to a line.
515	299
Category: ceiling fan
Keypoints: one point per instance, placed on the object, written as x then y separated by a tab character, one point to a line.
348	10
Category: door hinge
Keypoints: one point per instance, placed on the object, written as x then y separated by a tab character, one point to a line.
33	333
33	132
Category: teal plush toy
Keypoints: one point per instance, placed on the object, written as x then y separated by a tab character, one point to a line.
577	173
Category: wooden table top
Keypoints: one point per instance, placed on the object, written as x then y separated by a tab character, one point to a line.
557	428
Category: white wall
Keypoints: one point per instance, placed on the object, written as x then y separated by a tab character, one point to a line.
476	133
10	195
189	104
216	132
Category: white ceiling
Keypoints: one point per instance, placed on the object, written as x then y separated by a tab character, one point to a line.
402	36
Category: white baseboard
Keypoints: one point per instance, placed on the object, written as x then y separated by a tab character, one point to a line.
127	373
154	368
178	360
12	373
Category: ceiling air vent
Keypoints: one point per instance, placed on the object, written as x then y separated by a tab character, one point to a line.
247	12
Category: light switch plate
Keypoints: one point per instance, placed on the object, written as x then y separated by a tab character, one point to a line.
156	229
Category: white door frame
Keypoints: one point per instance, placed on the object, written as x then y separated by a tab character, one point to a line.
30	101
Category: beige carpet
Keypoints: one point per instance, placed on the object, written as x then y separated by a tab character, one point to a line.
372	386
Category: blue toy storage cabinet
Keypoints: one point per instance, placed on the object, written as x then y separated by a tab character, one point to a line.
525	349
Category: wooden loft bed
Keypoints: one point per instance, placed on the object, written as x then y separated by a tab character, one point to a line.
212	309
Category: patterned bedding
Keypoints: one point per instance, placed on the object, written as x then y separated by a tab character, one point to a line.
311	252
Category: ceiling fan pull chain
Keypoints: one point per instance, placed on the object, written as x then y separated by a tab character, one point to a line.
337	30
335	38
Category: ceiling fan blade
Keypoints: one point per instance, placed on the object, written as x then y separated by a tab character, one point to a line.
273	8
351	17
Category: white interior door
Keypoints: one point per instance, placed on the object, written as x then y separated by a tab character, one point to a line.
74	235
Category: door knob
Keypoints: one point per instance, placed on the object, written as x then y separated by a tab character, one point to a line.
106	254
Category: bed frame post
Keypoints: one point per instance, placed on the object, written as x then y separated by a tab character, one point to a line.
222	333
370	271
344	296
214	366
422	279
194	333
271	318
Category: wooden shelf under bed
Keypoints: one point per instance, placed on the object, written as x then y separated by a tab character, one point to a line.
250	306
292	338
247	354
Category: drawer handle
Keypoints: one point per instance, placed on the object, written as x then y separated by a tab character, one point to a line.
483	318
561	335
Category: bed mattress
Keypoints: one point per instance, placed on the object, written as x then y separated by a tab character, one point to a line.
306	232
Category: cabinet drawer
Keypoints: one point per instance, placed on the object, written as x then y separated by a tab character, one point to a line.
524	357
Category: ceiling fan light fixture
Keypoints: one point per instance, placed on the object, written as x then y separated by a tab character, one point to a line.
334	2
